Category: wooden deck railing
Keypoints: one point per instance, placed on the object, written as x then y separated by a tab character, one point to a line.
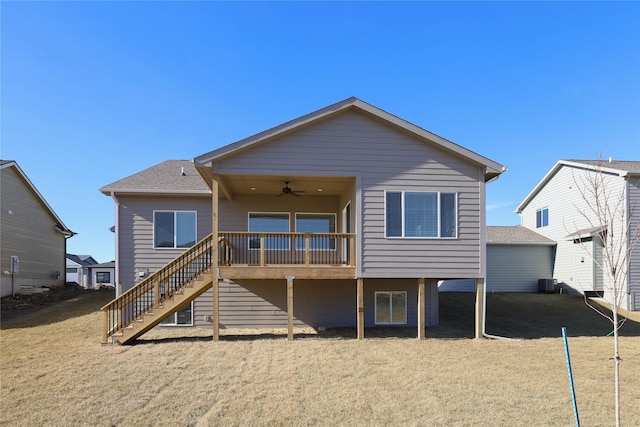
234	248
262	249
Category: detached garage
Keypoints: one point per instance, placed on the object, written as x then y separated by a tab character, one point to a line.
516	259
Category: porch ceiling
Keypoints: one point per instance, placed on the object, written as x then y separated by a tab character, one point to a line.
273	184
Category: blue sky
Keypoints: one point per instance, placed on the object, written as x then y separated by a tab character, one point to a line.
92	92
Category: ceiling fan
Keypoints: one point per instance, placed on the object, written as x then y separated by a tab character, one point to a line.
286	190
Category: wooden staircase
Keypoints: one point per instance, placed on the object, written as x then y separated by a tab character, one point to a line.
159	296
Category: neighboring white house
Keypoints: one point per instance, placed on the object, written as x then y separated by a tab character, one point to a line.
517	259
557	209
103	274
78	269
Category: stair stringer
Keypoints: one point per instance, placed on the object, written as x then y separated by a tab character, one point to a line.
168	307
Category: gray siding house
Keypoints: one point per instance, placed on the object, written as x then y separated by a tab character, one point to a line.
33	239
350	212
557	208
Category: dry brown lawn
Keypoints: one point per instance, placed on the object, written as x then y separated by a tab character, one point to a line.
54	372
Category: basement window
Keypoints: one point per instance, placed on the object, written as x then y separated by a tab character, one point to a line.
183	317
391	308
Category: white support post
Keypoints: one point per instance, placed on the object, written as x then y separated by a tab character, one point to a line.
421	309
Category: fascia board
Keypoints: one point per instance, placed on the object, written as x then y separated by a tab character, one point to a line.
557	167
496	243
523	204
107	191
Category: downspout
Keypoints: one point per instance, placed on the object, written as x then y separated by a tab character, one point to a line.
67	235
117	245
484	266
629	242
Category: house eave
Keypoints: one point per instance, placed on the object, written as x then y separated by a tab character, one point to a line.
559	164
516	243
109	191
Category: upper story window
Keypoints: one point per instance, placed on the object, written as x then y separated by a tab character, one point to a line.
269	223
542	217
174	229
421	214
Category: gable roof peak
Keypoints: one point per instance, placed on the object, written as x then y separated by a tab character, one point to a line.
59	225
204	162
620	168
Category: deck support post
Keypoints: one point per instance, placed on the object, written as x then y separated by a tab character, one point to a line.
105	327
421	309
360	306
290	307
434	317
479	306
214	261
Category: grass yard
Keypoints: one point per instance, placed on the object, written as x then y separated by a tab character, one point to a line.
54	372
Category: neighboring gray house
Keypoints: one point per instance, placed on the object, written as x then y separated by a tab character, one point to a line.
356	212
517	258
557	209
78	269
33	239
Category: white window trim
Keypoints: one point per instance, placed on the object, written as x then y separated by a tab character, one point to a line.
335	223
173	325
288	214
175	218
375	314
104	272
437	210
542	209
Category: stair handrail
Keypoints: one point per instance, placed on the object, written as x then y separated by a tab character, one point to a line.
148	293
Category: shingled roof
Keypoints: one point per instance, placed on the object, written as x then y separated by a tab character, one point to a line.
169	177
632	167
515	234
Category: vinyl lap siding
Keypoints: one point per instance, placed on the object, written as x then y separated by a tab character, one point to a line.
517	268
634	262
354	144
564	201
28	232
510	268
319	303
136	252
